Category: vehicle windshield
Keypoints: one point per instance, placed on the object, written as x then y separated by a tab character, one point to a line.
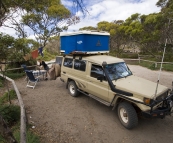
117	70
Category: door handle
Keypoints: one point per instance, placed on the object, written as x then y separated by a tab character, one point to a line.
64	72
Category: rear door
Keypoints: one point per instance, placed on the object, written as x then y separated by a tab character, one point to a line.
66	68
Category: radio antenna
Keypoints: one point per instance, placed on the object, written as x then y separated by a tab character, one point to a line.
160	69
161	64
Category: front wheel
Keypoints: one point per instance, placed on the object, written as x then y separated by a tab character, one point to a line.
73	89
127	115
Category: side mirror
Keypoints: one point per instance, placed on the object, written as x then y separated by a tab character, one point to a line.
104	64
101	78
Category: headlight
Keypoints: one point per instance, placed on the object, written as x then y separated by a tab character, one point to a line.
147	100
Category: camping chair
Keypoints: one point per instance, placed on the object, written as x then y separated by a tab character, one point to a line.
31	79
25	69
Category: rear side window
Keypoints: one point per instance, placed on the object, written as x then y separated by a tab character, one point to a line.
68	62
96	71
59	60
79	65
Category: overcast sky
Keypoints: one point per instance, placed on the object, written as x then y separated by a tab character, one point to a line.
106	10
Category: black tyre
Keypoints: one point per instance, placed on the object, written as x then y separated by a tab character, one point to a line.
127	115
73	89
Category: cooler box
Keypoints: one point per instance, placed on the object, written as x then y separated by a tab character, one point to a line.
84	42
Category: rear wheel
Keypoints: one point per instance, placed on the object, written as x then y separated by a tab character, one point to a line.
73	89
127	115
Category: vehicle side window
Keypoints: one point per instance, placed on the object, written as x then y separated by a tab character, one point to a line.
80	65
96	71
68	62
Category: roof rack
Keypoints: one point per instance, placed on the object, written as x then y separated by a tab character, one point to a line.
79	53
86	52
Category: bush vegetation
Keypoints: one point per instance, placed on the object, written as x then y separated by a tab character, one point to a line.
125	55
31	137
4	98
150	65
15	75
1	82
11	115
48	56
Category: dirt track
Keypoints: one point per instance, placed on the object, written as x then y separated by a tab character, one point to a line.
58	117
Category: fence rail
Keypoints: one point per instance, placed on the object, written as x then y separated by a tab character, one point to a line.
156	63
48	63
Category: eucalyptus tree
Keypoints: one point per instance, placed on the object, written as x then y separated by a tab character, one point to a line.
165	25
117	38
79	5
166	19
10	12
3	10
14	49
151	34
6	42
46	19
88	28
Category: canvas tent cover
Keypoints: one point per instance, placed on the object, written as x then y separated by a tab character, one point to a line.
84	42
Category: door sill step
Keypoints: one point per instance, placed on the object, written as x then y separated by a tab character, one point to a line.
96	98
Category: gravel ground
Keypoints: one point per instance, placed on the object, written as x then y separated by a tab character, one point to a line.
60	118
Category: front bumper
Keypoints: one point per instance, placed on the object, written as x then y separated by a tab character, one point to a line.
166	108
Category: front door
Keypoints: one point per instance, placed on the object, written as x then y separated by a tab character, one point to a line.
96	87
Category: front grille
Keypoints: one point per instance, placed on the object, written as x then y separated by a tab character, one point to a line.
162	96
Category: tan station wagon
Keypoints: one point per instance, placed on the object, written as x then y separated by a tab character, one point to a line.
110	81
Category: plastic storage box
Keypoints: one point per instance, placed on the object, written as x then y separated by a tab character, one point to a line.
84	42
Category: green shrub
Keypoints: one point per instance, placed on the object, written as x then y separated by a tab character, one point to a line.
1	84
47	56
129	55
31	137
148	65
14	75
2	140
168	57
1	81
125	55
132	62
10	113
4	98
166	67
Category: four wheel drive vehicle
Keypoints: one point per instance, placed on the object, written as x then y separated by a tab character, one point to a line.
110	81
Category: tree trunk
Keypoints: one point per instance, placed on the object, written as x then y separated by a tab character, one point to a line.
6	132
